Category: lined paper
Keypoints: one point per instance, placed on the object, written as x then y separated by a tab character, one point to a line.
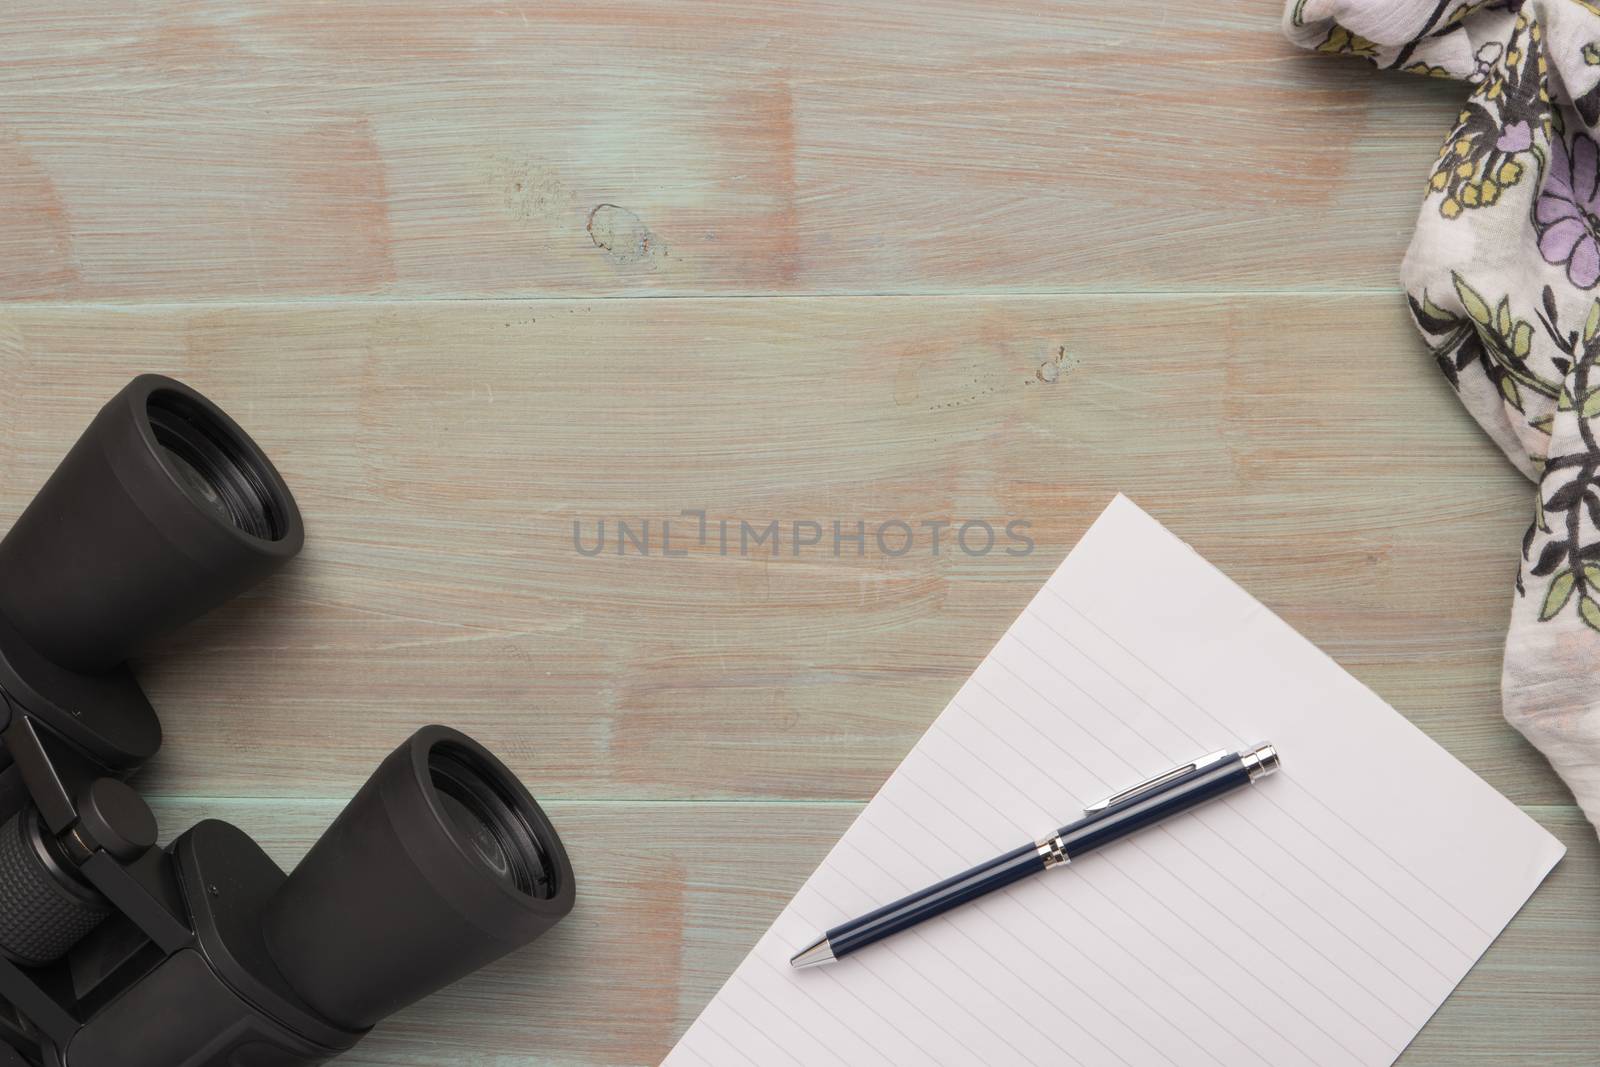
1316	918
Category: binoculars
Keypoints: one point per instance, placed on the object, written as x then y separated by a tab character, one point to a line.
117	952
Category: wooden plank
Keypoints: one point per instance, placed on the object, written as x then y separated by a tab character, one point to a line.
443	452
254	149
672	896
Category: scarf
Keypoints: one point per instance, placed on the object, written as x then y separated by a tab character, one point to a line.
1503	281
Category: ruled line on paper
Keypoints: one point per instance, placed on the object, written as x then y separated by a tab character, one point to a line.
1328	1034
1358	869
1290	931
1168	757
1239	739
1106	785
1283	925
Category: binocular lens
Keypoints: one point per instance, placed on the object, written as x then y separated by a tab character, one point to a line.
490	824
211	468
442	863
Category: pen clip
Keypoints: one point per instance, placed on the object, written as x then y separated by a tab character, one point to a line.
1159	780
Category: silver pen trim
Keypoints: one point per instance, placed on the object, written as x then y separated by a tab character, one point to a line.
1159	780
1052	850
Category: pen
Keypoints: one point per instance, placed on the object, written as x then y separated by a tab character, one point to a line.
1111	819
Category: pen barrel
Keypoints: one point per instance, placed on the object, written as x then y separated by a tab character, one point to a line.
1175	798
936	899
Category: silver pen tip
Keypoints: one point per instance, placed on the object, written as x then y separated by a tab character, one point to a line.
818	952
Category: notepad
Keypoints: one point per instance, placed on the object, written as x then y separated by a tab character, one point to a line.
1316	918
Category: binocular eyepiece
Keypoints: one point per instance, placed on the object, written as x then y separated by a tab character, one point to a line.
114	951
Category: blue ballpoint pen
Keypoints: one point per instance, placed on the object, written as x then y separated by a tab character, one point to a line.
1116	817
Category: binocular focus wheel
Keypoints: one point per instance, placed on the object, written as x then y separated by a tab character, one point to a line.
41	917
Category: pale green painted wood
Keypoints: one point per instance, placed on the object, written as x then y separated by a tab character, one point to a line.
256	149
442	451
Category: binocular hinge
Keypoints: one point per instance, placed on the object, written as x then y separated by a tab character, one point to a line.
41	775
35	1005
129	896
46	772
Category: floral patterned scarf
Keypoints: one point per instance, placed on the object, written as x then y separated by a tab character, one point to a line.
1502	279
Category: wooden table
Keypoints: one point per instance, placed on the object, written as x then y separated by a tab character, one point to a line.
475	272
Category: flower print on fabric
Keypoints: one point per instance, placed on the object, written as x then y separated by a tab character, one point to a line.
1510	102
1568	210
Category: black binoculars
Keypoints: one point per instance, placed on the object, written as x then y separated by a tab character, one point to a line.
117	952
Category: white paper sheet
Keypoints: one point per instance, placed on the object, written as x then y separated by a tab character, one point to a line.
1318	917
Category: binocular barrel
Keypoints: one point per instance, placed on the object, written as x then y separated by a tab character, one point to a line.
163	510
441	864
